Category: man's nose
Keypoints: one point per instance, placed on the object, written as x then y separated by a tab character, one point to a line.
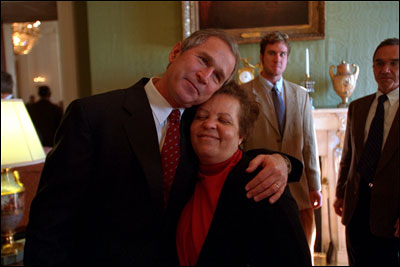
277	58
386	67
204	74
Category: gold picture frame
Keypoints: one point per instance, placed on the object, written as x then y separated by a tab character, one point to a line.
310	17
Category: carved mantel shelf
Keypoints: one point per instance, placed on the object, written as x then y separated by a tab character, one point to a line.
330	126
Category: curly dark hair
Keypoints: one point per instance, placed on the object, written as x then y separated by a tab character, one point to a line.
249	109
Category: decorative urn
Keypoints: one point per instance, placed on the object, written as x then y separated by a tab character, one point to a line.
344	81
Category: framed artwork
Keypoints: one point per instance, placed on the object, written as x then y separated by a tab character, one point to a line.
249	21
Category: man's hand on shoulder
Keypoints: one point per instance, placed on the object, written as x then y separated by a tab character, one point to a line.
271	180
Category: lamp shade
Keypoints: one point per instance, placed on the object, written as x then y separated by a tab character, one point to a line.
20	144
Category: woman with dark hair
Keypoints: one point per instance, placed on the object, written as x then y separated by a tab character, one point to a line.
219	225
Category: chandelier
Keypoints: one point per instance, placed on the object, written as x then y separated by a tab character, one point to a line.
24	36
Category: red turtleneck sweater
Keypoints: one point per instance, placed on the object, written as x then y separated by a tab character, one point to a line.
197	215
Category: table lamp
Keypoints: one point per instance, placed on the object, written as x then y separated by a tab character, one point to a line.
20	146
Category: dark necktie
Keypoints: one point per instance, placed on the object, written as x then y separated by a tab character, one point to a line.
170	152
279	105
373	147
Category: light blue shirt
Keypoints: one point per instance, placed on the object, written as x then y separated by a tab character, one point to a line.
268	86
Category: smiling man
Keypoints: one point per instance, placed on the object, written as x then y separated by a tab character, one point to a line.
105	193
367	192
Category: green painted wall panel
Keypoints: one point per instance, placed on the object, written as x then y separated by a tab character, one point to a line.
129	40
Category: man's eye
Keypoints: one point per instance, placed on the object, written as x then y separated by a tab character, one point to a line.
217	77
203	59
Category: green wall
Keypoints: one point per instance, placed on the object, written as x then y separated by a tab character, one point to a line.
129	40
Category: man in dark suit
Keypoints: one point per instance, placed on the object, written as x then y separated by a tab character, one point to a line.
45	116
100	200
367	191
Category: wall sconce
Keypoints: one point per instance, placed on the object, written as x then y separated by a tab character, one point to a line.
24	35
39	79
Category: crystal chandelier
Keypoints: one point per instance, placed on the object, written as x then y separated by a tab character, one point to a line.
24	36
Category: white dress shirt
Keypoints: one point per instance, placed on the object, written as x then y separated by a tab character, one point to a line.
390	107
160	108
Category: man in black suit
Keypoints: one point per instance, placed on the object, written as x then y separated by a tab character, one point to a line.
45	116
367	191
100	200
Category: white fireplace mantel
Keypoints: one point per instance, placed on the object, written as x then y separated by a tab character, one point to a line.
330	126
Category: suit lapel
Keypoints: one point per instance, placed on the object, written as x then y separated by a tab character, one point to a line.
143	139
391	144
360	114
291	107
267	106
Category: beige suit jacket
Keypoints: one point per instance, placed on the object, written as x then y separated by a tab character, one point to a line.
384	209
298	138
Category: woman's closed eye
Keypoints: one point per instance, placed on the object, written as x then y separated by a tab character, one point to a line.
225	120
201	115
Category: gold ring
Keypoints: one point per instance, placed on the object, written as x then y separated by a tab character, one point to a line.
276	185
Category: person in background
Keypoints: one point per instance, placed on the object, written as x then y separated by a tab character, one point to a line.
46	116
286	125
7	84
32	100
219	225
367	191
106	188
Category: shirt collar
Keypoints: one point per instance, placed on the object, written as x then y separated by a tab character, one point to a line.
159	105
269	85
8	97
393	96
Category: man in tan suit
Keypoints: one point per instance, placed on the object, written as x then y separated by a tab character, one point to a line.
367	192
291	132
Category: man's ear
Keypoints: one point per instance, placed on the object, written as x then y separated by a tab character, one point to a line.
175	52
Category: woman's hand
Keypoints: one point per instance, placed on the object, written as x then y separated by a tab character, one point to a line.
270	181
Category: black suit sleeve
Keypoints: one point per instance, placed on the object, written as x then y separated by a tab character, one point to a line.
54	222
297	166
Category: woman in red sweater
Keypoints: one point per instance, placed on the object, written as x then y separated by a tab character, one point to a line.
219	225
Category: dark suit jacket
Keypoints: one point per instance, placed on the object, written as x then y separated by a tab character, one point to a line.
46	117
246	233
384	209
100	198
